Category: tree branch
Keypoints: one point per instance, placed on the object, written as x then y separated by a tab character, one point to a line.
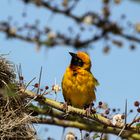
59	40
95	122
106	25
60	106
87	127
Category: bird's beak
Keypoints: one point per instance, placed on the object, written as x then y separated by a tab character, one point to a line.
73	54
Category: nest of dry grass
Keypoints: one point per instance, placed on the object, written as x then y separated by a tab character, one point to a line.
7	72
15	122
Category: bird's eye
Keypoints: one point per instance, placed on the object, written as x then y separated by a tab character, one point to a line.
80	60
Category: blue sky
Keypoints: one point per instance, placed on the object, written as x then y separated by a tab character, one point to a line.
117	73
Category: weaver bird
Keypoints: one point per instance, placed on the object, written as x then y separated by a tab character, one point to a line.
78	83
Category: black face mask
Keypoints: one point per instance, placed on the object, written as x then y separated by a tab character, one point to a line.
76	61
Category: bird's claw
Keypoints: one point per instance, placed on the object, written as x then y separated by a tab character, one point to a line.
88	111
65	107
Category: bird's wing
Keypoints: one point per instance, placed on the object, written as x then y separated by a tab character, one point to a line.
94	79
96	82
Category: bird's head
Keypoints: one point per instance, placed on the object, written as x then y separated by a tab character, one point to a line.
80	60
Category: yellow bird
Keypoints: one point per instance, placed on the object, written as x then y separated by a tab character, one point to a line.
78	83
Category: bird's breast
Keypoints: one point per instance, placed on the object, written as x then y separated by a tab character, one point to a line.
78	87
79	79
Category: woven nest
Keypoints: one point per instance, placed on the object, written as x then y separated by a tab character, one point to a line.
7	73
15	122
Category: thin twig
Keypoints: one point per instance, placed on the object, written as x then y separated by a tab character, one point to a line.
39	81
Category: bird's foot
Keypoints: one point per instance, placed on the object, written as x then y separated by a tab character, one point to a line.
90	110
65	107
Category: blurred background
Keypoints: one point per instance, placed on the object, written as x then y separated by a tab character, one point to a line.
33	35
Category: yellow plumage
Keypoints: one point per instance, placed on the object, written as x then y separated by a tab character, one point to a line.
78	82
